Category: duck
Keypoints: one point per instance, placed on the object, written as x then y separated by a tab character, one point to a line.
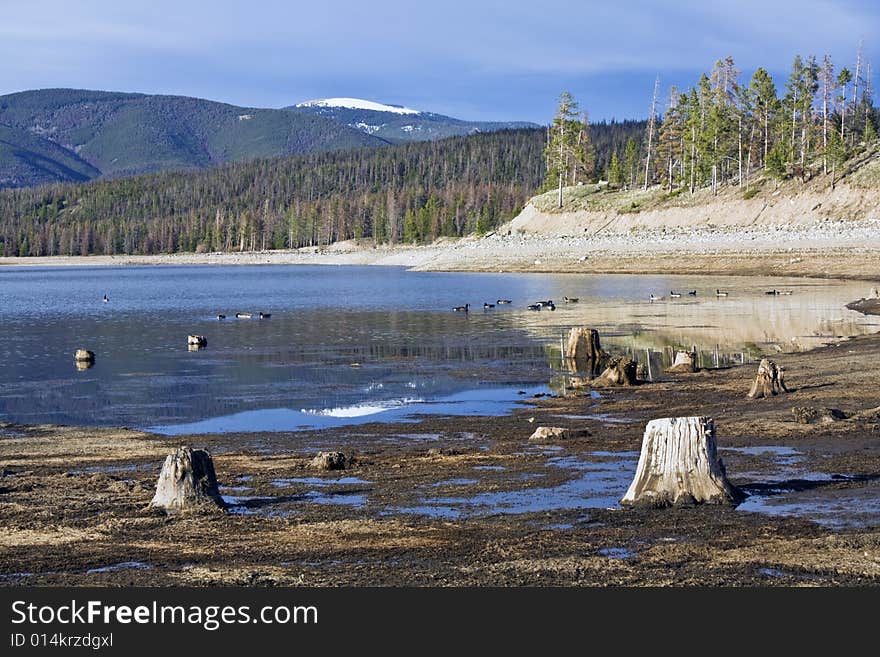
106	299
571	299
265	315
221	316
534	306
546	304
692	293
675	295
719	293
551	306
488	305
786	292
501	302
462	309
654	298
243	315
772	292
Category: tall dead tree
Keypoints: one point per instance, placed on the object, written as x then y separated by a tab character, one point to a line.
679	465
652	119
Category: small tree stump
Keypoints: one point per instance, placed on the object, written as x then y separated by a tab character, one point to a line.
621	371
198	341
679	464
187	481
685	361
329	461
808	415
84	356
770	380
548	434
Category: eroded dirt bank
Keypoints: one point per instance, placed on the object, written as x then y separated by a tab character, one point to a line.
468	501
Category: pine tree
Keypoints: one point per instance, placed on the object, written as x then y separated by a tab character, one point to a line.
766	104
630	162
669	140
843	79
569	153
615	172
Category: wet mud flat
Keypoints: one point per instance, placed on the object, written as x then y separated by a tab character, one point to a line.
469	500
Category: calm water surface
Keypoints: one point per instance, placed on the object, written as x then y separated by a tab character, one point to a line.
355	344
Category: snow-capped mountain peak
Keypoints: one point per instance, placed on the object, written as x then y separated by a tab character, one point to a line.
358	103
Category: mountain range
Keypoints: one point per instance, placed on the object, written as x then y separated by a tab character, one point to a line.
71	135
396	123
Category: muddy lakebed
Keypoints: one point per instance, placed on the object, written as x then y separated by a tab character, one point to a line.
444	487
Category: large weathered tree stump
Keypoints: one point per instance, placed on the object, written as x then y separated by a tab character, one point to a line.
685	361
770	380
621	371
583	351
679	465
187	482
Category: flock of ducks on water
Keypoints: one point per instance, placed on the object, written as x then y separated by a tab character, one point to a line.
538	305
718	293
548	304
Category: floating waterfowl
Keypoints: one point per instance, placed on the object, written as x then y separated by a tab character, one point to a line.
243	315
571	299
265	315
786	292
221	316
719	293
503	301
462	309
106	299
692	293
534	306
675	295
772	292
487	305
654	298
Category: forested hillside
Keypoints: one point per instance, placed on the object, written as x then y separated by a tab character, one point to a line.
413	192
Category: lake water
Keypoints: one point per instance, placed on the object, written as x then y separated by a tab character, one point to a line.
347	345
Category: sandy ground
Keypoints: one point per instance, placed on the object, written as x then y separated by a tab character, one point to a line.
72	500
831	254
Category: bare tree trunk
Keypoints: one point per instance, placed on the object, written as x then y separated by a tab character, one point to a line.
651	121
679	465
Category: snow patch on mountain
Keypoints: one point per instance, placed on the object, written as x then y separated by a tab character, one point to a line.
358	103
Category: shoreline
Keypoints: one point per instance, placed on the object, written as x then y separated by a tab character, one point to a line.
854	258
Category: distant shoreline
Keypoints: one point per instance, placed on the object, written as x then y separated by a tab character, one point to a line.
740	252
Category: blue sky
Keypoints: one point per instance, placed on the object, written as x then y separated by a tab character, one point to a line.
472	59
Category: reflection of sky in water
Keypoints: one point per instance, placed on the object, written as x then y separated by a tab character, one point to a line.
396	327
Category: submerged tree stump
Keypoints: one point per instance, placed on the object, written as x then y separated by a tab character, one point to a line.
679	465
197	341
187	481
583	351
685	361
84	356
621	371
770	380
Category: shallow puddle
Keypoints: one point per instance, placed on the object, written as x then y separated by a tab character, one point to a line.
617	553
836	508
124	565
600	486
